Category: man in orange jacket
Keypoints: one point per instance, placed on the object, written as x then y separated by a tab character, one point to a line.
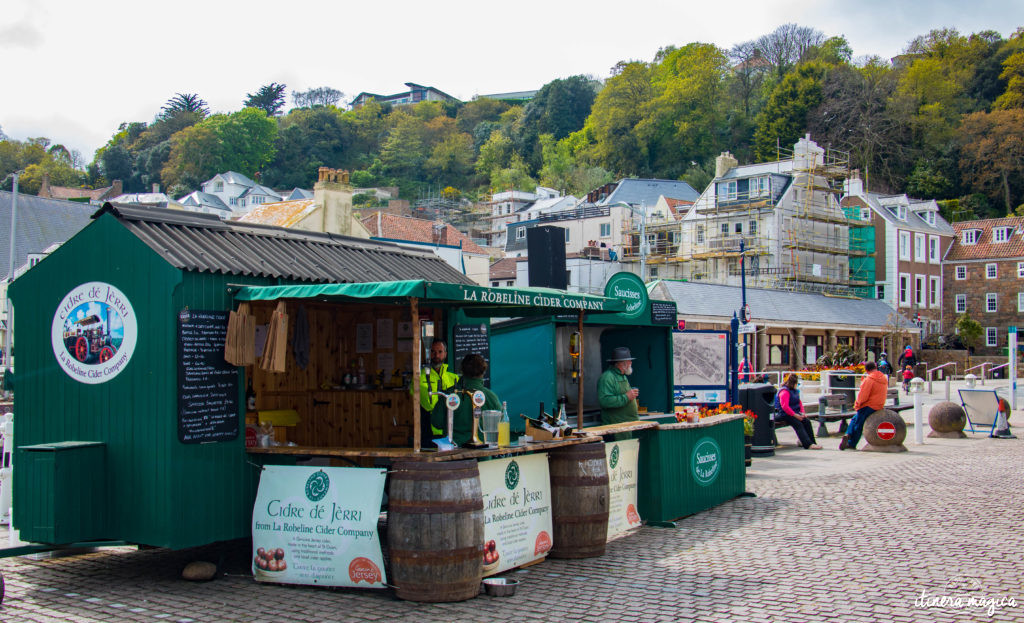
870	398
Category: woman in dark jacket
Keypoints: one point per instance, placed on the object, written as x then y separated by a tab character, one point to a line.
791	411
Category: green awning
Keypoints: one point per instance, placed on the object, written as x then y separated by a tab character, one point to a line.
473	300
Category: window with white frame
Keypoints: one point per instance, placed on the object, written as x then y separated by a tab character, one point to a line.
1001	234
904	290
933	249
970	236
727	191
520	233
738	228
904	245
991	336
991	302
919	248
725	229
700	234
901	213
991	271
752	230
758	186
1020	270
934	291
566	234
865	214
961	272
919	293
1020	301
880	292
606	230
961	303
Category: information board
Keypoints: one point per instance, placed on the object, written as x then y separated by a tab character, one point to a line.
207	385
318	525
623	458
663	312
471	338
517	511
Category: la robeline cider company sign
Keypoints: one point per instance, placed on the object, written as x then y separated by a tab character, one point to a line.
94	332
631	290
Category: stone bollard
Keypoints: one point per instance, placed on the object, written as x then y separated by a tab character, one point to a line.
885	431
947	421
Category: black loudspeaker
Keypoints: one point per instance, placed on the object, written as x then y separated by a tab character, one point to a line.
546	248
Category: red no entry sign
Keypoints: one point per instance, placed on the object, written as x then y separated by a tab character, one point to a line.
886	430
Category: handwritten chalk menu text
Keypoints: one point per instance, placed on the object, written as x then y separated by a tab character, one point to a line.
207	385
471	338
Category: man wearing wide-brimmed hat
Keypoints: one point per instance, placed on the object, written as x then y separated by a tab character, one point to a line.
614	394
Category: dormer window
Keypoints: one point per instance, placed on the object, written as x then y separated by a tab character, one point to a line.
218	187
970	236
1001	234
727	191
927	217
901	213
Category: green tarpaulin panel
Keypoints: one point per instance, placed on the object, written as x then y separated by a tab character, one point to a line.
475	300
523	372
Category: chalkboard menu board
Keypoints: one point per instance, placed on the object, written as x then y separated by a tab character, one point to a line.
663	312
471	338
207	385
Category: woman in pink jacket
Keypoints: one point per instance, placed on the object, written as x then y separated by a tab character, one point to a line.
791	411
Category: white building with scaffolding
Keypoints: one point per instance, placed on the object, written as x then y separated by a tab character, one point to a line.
787	214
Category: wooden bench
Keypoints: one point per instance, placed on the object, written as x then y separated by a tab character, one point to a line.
839	408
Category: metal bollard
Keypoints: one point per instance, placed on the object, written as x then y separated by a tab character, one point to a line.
947	389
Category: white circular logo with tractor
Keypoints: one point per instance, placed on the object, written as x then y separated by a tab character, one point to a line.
94	332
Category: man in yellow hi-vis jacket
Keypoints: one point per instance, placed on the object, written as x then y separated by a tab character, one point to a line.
435	378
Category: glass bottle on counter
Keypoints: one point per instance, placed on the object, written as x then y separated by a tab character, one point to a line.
504	428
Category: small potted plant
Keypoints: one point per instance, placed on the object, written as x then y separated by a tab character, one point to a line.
748	435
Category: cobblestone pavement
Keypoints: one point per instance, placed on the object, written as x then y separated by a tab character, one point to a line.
860	543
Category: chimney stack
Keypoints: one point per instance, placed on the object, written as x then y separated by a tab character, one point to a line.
724	163
116	188
854	186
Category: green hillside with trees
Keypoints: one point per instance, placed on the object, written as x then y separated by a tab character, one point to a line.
944	120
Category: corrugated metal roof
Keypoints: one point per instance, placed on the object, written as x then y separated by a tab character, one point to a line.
41	222
205	243
707	299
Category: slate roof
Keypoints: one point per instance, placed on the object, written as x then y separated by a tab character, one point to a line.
233	177
200	199
258	189
913	222
41	222
68	192
777	306
394	227
645	191
204	243
985	248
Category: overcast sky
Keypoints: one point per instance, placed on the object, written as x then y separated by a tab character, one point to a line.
73	71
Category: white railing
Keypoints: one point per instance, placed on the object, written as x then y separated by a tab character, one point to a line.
6	467
982	366
931	370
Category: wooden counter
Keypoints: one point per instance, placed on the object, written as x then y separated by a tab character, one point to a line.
621	427
408	454
704	422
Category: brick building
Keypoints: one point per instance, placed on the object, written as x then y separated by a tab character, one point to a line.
983	275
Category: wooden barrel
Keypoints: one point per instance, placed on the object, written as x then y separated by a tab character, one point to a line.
436	530
579	501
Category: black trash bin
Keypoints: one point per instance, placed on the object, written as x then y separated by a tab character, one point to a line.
844	384
759	398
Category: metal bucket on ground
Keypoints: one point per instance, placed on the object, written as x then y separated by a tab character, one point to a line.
436	530
579	501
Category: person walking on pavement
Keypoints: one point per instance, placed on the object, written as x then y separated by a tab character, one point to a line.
870	398
791	411
614	394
